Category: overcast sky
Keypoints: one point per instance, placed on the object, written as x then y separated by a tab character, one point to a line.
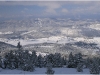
49	8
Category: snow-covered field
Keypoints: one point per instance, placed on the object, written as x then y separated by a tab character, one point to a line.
9	32
52	39
95	26
43	70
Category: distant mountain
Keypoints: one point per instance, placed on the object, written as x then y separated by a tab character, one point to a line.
47	27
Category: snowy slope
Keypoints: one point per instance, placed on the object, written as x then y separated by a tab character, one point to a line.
43	70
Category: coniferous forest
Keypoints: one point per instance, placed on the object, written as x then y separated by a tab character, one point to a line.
23	60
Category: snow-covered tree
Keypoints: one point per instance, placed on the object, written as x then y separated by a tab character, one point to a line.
87	62
63	61
17	58
33	58
57	60
80	67
78	59
28	66
94	67
27	63
49	68
71	61
19	46
40	61
0	62
9	62
20	58
48	58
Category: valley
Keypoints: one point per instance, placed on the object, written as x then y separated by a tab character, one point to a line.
51	35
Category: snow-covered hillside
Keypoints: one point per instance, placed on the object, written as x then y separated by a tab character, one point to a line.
52	30
47	27
95	26
52	39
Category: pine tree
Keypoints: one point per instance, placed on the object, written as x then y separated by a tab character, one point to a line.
50	58
33	58
57	60
71	61
16	59
78	59
40	61
19	46
31	67
20	59
19	56
49	68
80	67
0	62
9	62
94	67
63	61
87	62
27	64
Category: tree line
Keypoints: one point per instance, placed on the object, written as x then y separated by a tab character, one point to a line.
26	61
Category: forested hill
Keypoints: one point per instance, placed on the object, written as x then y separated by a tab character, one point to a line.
4	45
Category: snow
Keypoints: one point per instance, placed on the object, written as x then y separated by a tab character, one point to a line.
69	31
47	46
97	39
52	39
42	54
39	53
28	32
95	26
79	39
9	32
89	40
43	70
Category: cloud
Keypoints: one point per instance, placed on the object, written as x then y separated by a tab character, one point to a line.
51	6
22	11
85	8
57	8
65	10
